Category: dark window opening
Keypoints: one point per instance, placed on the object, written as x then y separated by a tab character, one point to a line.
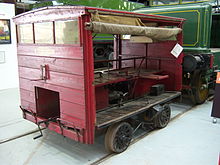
47	102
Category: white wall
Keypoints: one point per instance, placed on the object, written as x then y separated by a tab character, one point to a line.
9	69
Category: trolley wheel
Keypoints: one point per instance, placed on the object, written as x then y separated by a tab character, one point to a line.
163	117
201	90
118	137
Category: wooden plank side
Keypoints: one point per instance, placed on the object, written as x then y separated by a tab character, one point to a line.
71	121
67	94
70	52
27	95
28	105
168	63
133	49
61	65
66	76
68	110
60	79
74	111
71	109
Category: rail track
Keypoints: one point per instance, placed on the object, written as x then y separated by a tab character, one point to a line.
19	136
102	159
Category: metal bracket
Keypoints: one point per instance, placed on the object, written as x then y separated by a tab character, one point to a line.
140	124
23	111
71	125
158	108
41	133
46	122
28	111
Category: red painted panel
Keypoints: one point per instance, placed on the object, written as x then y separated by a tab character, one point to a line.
72	109
169	64
69	111
89	133
143	86
130	63
55	127
72	121
70	52
27	95
66	76
163	49
130	50
174	70
66	80
73	135
72	95
28	105
30	117
68	133
101	95
61	79
28	84
55	64
153	64
68	94
133	49
28	73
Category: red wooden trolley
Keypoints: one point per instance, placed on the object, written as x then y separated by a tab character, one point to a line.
60	88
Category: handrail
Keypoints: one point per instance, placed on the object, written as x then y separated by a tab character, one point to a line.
134	58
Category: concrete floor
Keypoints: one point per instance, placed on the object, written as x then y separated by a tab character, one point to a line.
189	139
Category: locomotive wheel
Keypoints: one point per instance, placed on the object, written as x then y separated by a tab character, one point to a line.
201	91
163	117
118	137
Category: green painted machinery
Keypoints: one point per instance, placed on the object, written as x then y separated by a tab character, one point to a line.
109	4
201	41
197	26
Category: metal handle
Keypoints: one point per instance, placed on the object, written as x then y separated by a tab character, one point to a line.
44	70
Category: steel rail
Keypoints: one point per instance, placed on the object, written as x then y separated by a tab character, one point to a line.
20	136
106	157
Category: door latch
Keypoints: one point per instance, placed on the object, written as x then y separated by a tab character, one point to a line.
44	72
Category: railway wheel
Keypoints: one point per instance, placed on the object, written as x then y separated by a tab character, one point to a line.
163	118
201	90
118	137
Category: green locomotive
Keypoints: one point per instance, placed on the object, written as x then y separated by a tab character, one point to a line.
200	37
